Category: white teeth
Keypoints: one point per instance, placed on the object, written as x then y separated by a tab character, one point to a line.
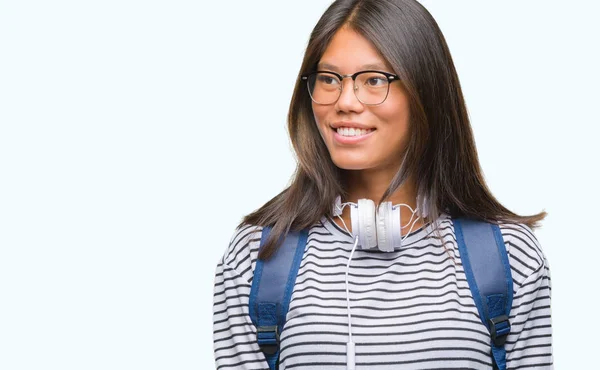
345	131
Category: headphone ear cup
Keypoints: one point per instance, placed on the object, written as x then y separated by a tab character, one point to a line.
367	224
422	207
354	219
384	239
396	227
337	207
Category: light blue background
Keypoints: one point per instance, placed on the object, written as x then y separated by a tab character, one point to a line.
134	136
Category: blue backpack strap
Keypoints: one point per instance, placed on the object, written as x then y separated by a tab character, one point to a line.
486	265
271	291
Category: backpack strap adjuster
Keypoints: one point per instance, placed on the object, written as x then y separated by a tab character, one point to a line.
499	329
268	338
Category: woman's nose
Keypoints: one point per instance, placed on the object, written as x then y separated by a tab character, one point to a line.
348	100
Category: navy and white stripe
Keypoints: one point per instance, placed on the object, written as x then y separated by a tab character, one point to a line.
411	309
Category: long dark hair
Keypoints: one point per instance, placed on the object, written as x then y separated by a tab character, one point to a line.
441	156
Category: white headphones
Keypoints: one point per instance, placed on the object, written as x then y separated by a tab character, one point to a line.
379	228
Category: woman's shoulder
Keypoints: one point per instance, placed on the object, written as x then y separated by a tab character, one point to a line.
525	253
242	251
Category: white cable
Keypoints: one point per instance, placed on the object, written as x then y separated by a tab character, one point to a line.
409	221
350	346
348	292
411	227
411	211
350	353
341	219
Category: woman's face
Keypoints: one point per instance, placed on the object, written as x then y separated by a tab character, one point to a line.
387	123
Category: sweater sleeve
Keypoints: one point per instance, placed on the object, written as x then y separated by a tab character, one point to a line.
234	335
529	345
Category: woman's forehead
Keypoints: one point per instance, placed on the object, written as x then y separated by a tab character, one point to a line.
349	52
334	67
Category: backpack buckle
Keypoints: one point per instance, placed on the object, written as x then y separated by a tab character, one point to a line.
268	339
499	329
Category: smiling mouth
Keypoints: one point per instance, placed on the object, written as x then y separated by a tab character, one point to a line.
351	131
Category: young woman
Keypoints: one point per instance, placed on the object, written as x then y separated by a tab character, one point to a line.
378	117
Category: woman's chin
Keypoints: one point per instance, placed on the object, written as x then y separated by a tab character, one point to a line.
351	165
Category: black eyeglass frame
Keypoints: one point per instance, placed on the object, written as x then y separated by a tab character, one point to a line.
390	76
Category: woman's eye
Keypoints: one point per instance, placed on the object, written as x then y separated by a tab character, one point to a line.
328	80
376	81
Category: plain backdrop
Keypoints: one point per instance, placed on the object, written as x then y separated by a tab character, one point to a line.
134	135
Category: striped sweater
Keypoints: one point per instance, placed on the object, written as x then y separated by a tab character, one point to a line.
411	308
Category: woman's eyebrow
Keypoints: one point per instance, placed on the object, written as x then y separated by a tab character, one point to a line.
378	66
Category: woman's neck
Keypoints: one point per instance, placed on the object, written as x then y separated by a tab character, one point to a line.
371	185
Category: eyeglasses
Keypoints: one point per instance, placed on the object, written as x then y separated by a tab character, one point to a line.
370	87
